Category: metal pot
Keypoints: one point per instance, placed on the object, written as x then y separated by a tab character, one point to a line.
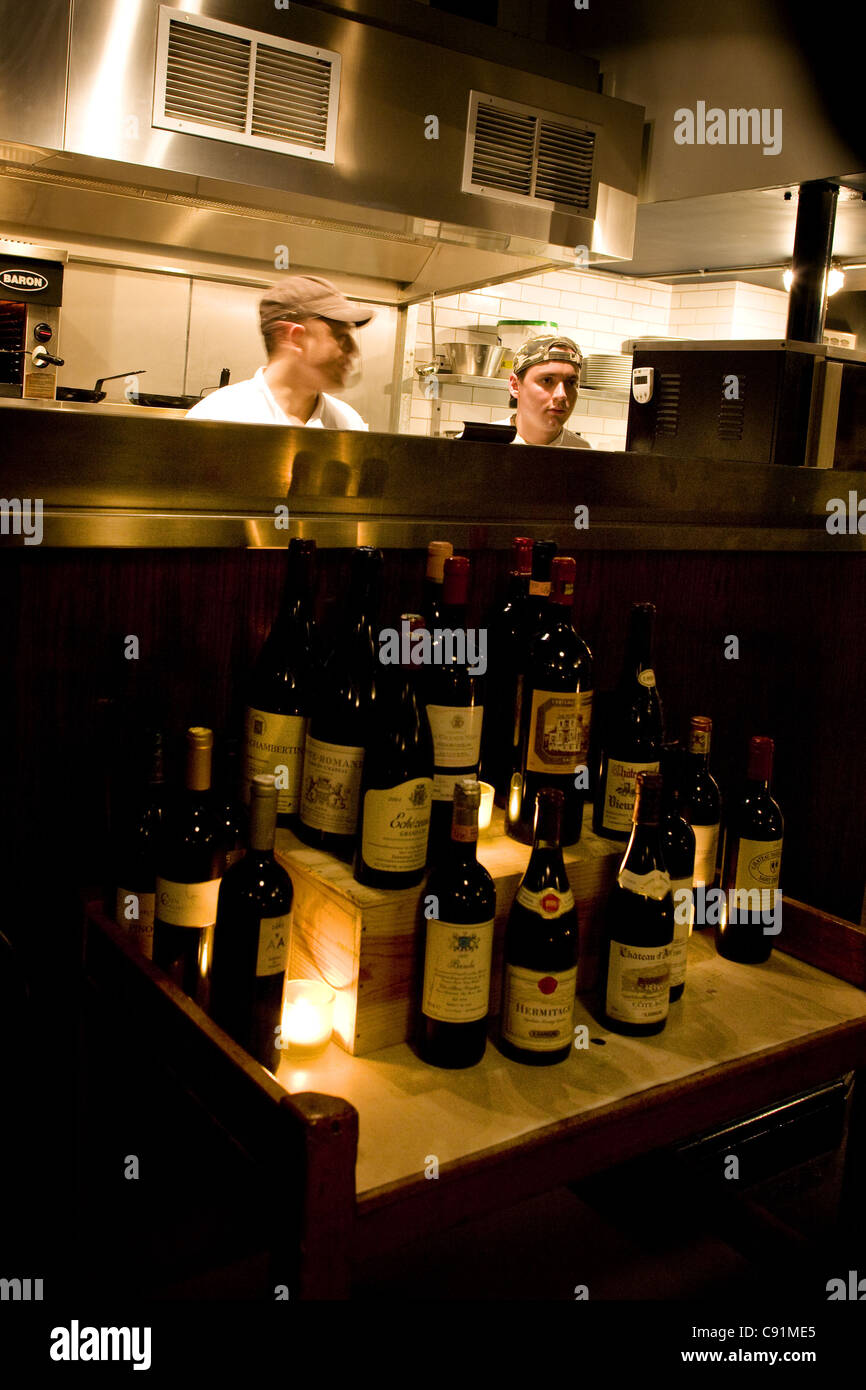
472	359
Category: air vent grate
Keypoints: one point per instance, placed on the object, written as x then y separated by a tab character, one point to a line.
523	155
227	83
732	413
667	403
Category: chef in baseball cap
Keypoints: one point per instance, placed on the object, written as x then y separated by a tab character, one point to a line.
309	333
544	382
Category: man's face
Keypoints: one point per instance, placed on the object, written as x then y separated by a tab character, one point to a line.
328	351
546	396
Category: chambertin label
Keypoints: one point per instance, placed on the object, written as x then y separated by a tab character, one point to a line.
274	744
538	1008
396	825
457	963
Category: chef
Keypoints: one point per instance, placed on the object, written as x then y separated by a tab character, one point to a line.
308	328
544	384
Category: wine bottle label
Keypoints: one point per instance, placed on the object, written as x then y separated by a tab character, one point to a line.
187	904
331	789
273	953
619	792
456	731
538	1008
706	852
638	981
396	825
758	865
699	740
647	678
457	963
548	904
559	731
443	783
655	885
539	588
135	912
274	743
682	931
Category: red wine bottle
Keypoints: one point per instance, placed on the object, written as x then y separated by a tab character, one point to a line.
701	802
232	812
431	604
136	839
280	695
190	864
640	925
458	947
454	701
634	730
397	781
557	711
541	949
339	728
752	863
678	850
251	938
504	649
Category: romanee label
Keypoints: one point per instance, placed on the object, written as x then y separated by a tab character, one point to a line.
620	789
758	865
706	852
331	788
654	885
187	904
457	971
559	731
638	981
272	742
456	731
548	904
682	931
538	1008
396	825
273	952
135	912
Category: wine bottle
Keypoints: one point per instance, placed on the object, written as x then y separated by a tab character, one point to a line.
541	949
455	703
135	848
557	710
504	648
280	695
396	782
431	603
633	736
190	863
700	799
640	925
231	809
752	863
251	938
458	948
678	851
339	727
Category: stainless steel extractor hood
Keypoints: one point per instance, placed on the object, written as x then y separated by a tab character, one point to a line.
232	129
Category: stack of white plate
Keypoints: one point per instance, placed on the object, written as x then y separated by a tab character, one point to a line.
607	372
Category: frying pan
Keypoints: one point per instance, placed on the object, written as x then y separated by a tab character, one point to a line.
175	402
76	393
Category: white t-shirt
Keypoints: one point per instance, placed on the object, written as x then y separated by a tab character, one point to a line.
252	403
566	439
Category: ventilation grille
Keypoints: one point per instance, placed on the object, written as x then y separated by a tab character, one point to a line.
520	154
667	403
732	413
226	83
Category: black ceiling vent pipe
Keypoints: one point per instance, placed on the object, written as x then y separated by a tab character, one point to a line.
813	248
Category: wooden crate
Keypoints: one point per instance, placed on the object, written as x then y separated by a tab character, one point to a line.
366	942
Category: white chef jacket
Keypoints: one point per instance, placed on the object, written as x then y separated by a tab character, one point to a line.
252	403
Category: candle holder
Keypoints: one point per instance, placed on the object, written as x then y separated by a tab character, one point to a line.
485	810
307	1018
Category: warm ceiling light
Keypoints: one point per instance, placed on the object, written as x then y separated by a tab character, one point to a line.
788	279
835	279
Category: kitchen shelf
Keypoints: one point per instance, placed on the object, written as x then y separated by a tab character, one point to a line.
446	379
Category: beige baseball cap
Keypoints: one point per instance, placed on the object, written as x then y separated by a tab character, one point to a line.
549	349
306	297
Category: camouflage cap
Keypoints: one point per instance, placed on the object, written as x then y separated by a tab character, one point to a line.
555	349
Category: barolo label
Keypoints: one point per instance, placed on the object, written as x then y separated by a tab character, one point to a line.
682	931
758	865
457	963
331	786
187	904
619	792
538	1008
273	741
273	952
135	912
706	852
655	885
548	904
456	731
638	980
445	782
559	730
396	825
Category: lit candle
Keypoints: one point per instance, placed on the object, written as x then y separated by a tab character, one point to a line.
485	810
308	1016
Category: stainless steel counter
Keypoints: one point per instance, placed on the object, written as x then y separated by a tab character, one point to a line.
119	480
